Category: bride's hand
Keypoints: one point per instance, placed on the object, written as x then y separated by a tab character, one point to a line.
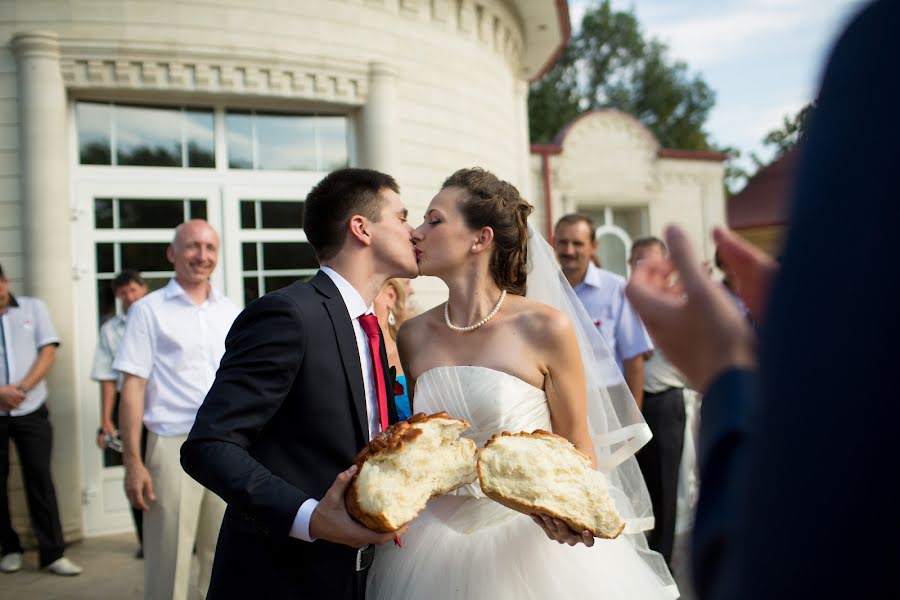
330	520
559	531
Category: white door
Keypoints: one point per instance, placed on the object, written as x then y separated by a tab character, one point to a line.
264	247
121	225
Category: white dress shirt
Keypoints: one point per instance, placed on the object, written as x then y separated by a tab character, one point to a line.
108	340
356	307
603	295
25	328
176	346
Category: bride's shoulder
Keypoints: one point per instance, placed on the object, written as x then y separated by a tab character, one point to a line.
539	319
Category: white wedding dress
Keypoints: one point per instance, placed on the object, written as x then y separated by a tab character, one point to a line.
466	546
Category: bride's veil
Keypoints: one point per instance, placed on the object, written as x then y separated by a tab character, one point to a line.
617	427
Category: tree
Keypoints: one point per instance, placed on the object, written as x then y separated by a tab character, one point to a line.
779	140
609	63
792	131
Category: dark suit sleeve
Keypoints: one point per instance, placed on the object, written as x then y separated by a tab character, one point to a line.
724	433
263	353
814	503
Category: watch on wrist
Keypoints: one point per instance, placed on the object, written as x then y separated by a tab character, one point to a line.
22	388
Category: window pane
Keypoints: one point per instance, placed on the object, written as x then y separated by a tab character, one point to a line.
201	146
94	127
248	250
286	142
148	136
612	253
239	139
198	209
282	215
105	258
630	220
150	214
288	255
277	282
103	213
333	142
251	290
156	283
145	256
248	214
106	300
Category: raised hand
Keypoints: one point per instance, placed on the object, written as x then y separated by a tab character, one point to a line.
331	521
752	268
696	325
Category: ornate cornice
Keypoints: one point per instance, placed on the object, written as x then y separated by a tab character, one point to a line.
97	67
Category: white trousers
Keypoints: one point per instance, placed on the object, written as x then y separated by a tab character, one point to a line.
185	515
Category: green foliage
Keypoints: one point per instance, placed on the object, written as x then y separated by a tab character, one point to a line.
610	64
791	132
781	140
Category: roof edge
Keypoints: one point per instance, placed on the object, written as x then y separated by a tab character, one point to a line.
692	154
565	33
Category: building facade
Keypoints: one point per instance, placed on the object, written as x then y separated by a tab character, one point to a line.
121	118
607	165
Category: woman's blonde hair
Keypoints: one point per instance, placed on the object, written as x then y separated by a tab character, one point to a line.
401	307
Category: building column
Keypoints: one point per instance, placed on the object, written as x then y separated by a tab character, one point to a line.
523	172
379	120
46	209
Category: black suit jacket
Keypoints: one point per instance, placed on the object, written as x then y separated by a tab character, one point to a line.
799	487
286	414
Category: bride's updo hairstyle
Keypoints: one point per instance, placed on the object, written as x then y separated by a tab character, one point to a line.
489	202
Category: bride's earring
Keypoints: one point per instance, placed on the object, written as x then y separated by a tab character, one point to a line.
473	247
391	319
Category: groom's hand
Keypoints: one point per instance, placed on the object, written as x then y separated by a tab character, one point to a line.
331	521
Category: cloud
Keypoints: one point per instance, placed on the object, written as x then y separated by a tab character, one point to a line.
725	31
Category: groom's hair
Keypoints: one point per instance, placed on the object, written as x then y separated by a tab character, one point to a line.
335	200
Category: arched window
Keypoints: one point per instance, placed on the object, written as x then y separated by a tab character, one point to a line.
617	227
612	248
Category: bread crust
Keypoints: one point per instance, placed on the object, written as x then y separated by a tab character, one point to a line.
529	508
390	441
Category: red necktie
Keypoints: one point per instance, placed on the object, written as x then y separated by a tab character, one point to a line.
373	332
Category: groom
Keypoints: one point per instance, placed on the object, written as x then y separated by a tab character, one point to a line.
296	397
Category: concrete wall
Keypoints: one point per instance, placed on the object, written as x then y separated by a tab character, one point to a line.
608	158
454	99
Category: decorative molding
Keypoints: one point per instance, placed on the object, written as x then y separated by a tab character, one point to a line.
152	69
681	178
35	43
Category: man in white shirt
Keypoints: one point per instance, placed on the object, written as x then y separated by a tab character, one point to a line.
603	295
172	346
28	344
129	287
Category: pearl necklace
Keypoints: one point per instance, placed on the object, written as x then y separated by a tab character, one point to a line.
479	323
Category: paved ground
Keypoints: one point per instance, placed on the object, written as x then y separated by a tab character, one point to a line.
110	572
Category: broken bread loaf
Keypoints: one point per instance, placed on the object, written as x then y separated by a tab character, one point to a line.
407	464
543	473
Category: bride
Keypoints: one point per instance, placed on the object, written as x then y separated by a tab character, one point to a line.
507	361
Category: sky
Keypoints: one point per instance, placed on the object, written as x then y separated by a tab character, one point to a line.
763	58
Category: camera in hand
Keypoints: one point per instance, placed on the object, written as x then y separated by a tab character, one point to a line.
113	441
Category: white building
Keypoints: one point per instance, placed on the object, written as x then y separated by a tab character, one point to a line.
121	118
607	165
